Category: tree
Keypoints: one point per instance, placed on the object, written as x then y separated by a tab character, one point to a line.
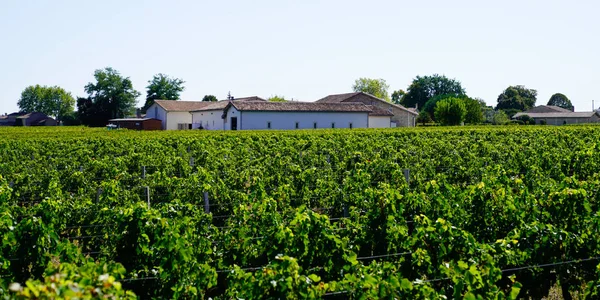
397	96
210	98
500	118
527	120
52	100
424	117
561	100
429	106
424	88
450	111
376	87
163	87
88	113
474	107
276	99
111	96
517	98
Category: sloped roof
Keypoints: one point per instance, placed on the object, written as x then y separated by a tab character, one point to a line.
337	98
252	98
547	109
220	105
179	105
347	97
301	107
131	119
378	111
558	108
30	114
569	114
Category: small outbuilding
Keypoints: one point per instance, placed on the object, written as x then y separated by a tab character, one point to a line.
137	123
554	115
27	119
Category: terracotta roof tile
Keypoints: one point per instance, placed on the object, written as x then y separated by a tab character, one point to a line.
301	106
378	111
570	114
340	98
178	105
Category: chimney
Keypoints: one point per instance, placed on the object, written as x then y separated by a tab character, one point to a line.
138	112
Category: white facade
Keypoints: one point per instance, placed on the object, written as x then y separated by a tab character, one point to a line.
157	112
171	120
286	120
210	119
179	120
380	121
298	120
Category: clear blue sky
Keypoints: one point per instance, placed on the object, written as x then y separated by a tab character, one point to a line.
303	49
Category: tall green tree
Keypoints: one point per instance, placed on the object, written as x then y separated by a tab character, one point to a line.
276	98
376	87
397	96
516	98
429	106
561	100
163	87
52	100
474	110
424	88
210	98
111	96
450	111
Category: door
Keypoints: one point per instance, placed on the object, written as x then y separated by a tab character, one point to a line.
233	123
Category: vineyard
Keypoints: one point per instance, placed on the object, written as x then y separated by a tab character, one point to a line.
437	213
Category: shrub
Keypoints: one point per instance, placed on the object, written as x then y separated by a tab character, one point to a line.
450	111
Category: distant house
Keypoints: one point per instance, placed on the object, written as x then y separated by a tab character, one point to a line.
554	115
248	115
175	114
27	119
402	116
137	123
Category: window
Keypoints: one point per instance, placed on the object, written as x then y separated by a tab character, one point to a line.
333	125
315	125
350	125
297	125
268	125
156	111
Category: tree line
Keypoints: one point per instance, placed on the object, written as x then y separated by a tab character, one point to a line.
443	100
438	98
110	95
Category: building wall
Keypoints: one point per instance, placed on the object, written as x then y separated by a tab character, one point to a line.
401	117
210	120
157	112
379	121
562	121
174	118
306	120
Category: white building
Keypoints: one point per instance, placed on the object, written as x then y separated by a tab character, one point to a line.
174	114
247	115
